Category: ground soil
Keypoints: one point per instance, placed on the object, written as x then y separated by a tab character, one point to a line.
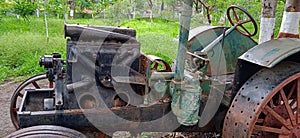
6	90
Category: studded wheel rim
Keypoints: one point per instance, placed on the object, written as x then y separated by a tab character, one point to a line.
37	82
267	105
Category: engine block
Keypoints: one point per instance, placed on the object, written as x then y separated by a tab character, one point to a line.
111	56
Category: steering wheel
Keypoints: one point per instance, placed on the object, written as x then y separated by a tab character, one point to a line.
236	21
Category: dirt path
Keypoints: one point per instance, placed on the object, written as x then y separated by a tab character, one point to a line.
6	91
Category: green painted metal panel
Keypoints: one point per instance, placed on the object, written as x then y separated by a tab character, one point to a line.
235	44
202	36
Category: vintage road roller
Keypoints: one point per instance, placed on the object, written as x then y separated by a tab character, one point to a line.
222	82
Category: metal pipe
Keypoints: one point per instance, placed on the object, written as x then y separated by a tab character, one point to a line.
85	82
220	55
185	21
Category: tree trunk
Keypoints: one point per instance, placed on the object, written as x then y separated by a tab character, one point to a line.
162	6
66	15
196	6
267	21
207	10
173	11
151	9
72	9
37	13
290	20
131	9
151	16
134	12
203	8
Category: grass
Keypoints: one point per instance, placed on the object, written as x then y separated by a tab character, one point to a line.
156	38
23	43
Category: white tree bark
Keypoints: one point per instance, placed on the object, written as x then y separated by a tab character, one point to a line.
267	21
72	9
37	13
267	26
290	20
71	13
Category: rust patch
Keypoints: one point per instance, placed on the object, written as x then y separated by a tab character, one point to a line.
287	35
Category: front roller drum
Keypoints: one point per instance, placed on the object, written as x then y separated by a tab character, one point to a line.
46	131
267	105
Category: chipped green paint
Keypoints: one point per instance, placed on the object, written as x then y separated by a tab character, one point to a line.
208	39
205	85
159	82
235	45
270	53
186	103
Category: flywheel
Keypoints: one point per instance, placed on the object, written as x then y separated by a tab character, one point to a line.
38	82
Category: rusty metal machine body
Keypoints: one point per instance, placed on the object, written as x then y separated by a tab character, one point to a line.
128	84
106	84
105	78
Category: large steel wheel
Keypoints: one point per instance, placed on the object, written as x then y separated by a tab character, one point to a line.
37	82
46	131
267	105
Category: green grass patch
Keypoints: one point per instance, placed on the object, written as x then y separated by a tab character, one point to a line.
21	52
23	43
157	37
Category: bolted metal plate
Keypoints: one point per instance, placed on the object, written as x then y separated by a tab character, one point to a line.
48	104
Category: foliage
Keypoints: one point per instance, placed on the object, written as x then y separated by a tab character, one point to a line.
56	6
82	4
5	7
24	8
218	11
279	14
